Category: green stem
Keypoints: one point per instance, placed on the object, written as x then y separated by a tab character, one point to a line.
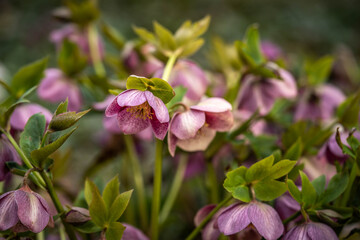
169	65
292	217
197	230
94	51
40	236
174	189
347	192
44	138
157	191
57	204
138	179
214	196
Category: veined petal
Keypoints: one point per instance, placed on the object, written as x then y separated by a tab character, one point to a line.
160	129
214	105
266	220
158	106
320	231
8	211
172	140
132	233
113	108
221	122
200	142
131	124
185	125
233	219
131	97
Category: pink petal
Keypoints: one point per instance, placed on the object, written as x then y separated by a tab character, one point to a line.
160	129
286	87
132	233
146	134
185	125
111	124
131	97
8	211
113	108
297	233
221	122
266	220
23	112
214	105
159	107
320	231
131	124
103	105
172	141
200	142
233	219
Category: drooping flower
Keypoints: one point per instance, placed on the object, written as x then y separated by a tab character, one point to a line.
77	215
239	216
189	75
311	231
286	206
23	210
56	87
257	93
331	151
7	154
132	233
23	112
137	110
270	50
194	129
319	103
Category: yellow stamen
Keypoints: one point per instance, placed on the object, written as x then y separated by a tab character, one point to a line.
142	111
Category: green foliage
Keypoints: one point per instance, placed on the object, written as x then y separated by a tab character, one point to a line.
70	59
65	120
180	92
113	35
83	12
335	188
348	111
318	72
295	151
160	88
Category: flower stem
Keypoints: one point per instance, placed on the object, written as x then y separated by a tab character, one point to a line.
157	191
138	180
347	193
197	230
169	65
292	217
214	196
40	236
94	51
174	189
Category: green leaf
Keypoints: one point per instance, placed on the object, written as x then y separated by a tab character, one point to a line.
70	59
242	193
269	189
161	89
28	76
235	184
62	108
318	72
345	149
319	184
259	170
66	120
348	111
294	173
41	154
111	191
180	92
308	191
119	205
250	49
335	188
113	35
30	138
294	152
280	169
191	48
87	191
115	231
165	37
294	191
145	35
88	227
139	83
97	208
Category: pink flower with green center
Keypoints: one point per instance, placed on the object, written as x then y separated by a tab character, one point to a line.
137	110
193	129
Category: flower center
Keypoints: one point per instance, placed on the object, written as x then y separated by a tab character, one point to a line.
142	111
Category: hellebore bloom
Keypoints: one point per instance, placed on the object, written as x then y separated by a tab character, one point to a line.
77	215
260	94
311	231
319	104
7	154
22	114
23	210
132	233
137	110
286	206
194	129
56	87
270	50
209	232
189	75
239	216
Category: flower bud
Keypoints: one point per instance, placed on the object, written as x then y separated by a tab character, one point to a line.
77	215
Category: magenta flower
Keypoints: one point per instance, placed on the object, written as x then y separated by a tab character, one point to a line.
189	75
286	206
311	231
260	94
137	110
239	216
132	233
271	50
56	87
22	113
23	210
7	154
210	231
319	103
194	129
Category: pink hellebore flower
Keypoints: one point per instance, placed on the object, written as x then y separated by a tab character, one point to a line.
137	110
194	129
189	75
56	87
237	217
209	232
320	104
21	115
271	50
132	233
261	93
23	210
311	231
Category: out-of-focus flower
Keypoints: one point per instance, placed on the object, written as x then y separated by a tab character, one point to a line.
23	112
23	210
271	50
314	168
194	129
189	75
196	165
77	215
7	154
75	35
56	87
132	233
319	103
286	206
239	216
311	231
260	94
209	232
137	110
